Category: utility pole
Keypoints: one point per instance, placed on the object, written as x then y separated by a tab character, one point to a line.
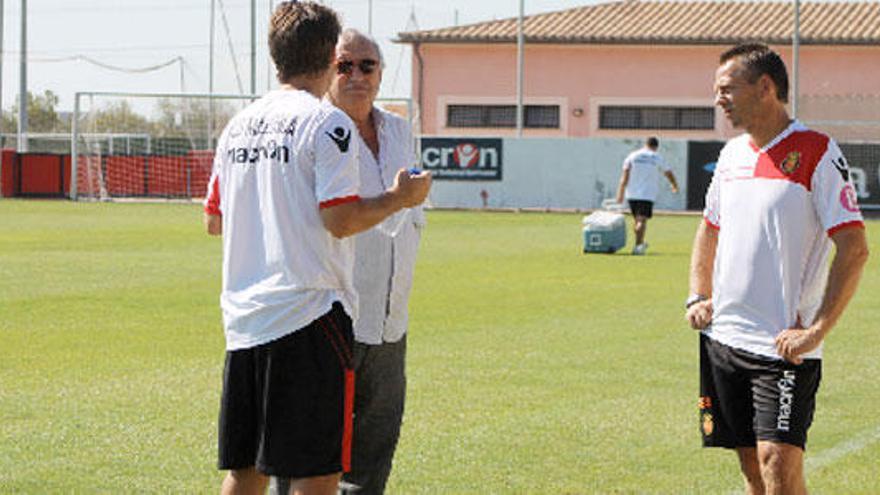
520	52
269	62
211	80
22	84
795	58
2	10
253	47
1	90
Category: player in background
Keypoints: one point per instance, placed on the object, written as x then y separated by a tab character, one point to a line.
761	289
639	181
284	194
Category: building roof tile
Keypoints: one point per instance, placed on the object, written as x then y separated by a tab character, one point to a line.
677	22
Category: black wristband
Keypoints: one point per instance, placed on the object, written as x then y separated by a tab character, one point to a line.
694	299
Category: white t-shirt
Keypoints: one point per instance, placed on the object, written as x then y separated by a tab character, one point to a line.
277	162
775	209
644	167
386	254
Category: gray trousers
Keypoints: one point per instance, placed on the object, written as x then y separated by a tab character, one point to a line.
379	394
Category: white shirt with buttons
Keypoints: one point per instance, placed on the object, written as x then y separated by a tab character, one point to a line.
385	255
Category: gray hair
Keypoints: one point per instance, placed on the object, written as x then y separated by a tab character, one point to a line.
351	35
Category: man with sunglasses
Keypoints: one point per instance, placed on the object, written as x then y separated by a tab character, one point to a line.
285	195
384	262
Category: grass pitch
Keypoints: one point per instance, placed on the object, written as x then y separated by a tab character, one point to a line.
533	368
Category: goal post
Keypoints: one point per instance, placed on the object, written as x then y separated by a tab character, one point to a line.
156	145
146	145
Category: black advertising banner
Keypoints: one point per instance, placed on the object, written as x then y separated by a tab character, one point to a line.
863	159
864	171
462	158
702	156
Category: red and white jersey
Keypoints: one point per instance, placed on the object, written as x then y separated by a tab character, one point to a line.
277	162
775	209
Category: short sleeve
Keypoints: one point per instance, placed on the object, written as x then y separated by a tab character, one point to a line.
664	165
833	194
337	179
712	211
627	163
212	197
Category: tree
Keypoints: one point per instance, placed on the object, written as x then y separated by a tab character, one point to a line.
188	118
42	115
116	117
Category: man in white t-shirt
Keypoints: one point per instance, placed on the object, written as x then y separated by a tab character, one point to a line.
761	289
285	195
639	180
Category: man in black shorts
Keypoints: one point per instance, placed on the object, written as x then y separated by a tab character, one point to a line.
284	193
639	185
761	289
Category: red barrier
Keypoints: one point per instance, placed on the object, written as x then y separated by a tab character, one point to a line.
167	176
41	175
125	175
201	163
100	176
8	177
89	175
66	164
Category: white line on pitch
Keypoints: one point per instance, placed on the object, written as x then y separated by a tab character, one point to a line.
834	454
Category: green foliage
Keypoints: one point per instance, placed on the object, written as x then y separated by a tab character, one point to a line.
118	117
533	368
42	114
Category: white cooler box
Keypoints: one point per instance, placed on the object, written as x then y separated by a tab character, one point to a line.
604	232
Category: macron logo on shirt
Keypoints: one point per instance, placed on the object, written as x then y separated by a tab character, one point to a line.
341	137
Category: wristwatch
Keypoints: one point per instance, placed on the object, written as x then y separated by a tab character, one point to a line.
694	299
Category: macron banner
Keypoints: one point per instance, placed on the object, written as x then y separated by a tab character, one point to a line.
462	158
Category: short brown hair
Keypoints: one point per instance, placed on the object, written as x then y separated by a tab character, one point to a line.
302	38
758	59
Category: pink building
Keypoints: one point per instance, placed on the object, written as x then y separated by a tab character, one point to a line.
633	68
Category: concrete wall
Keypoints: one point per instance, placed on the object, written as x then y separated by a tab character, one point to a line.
561	173
581	78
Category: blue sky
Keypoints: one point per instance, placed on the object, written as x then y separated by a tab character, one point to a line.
142	33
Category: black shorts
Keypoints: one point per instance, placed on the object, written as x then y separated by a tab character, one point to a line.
641	208
745	397
287	404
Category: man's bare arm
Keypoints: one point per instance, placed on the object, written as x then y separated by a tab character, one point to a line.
347	219
699	315
671	178
624	180
843	280
213	224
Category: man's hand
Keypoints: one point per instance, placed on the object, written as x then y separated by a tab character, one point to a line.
411	189
213	224
791	343
674	189
699	315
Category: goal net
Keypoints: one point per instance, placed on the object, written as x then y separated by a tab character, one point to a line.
159	146
133	145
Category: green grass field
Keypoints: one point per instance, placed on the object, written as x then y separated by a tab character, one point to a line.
533	368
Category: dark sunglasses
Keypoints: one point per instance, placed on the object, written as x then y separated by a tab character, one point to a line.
366	66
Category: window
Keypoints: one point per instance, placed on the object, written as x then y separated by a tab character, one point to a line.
674	118
534	116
